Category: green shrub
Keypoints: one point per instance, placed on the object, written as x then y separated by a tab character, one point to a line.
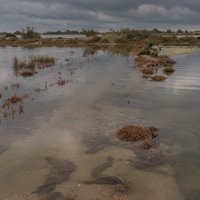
144	52
13	39
104	40
136	39
121	40
10	35
166	39
89	32
29	32
188	39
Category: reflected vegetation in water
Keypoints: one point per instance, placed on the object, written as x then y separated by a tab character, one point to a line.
59	138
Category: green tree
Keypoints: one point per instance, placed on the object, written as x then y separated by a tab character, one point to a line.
179	31
168	31
155	30
29	32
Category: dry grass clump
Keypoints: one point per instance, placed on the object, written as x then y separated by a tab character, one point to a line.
18	64
142	61
27	73
146	70
165	61
43	59
158	78
31	63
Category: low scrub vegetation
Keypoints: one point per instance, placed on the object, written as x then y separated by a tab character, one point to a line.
94	39
89	32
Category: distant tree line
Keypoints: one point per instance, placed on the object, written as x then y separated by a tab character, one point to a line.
63	32
87	31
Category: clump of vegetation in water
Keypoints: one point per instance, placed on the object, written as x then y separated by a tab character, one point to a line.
18	64
158	78
146	71
148	143
13	104
61	82
28	66
132	133
168	69
15	85
27	73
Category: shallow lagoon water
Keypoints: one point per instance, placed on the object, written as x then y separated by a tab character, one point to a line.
78	122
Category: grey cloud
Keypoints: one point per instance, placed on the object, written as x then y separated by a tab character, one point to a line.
52	14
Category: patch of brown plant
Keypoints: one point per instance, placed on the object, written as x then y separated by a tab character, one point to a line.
134	133
146	70
14	99
158	78
168	69
15	85
61	82
148	143
27	73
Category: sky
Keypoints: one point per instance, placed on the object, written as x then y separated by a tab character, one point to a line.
101	15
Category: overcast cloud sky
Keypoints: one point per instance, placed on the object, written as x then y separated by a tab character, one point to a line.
102	15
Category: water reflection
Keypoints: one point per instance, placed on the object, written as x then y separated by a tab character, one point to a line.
122	50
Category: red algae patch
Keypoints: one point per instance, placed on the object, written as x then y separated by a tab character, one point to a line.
158	78
132	133
61	82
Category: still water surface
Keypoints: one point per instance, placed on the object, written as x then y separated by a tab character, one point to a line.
77	123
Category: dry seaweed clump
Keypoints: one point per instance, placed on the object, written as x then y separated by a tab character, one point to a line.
158	78
134	133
